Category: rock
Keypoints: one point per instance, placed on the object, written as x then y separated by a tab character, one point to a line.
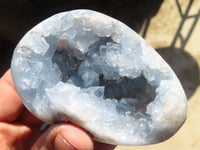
88	68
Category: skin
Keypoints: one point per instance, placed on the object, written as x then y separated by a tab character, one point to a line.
20	130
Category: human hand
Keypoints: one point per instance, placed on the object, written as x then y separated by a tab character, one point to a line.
20	130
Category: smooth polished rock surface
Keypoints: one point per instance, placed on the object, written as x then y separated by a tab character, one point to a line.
94	71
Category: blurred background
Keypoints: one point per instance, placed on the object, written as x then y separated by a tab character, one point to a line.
172	27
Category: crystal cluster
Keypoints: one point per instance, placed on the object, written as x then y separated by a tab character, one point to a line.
88	68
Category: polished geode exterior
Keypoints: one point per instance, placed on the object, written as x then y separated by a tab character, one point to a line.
94	71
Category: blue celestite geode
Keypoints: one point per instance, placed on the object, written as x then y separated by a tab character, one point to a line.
88	68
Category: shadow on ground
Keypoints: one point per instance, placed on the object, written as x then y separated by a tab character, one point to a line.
183	64
185	67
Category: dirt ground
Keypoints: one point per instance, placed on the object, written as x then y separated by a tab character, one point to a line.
175	32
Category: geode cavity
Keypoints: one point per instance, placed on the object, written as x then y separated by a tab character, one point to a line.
88	68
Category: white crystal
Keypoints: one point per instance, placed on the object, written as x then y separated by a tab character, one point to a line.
93	70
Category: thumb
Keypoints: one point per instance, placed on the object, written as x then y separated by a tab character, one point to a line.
64	137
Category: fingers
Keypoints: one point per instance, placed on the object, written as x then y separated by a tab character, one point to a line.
57	137
10	103
64	137
27	118
13	136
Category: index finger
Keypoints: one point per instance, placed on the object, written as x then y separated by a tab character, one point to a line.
10	104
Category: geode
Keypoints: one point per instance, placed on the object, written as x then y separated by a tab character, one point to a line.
90	69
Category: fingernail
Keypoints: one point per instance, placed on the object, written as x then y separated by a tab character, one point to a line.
62	144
